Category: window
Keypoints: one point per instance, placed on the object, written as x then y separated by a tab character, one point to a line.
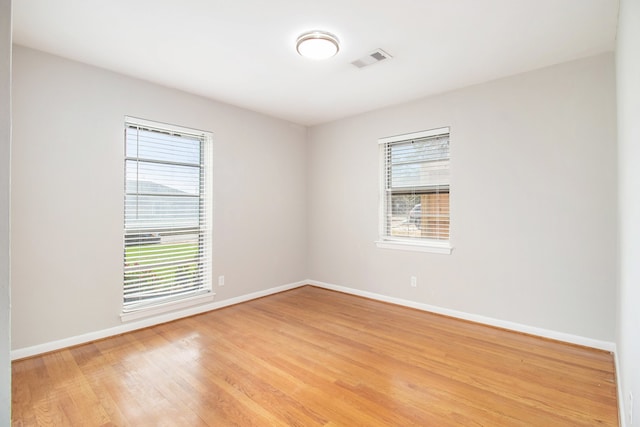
167	214
415	191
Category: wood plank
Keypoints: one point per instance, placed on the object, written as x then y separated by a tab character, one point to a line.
315	357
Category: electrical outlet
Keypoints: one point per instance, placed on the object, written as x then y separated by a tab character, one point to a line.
630	408
414	282
220	280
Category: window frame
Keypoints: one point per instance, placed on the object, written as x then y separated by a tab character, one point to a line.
386	240
204	290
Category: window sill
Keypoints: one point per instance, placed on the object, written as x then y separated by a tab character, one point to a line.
431	247
166	307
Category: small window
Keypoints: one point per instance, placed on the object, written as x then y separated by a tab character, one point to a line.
415	191
167	214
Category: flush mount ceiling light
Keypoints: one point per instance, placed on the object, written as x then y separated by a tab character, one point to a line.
317	45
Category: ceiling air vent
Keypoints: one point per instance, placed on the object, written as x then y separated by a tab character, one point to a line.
371	58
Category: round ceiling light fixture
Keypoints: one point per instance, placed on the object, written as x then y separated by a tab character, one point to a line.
317	45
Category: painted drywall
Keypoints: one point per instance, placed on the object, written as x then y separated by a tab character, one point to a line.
67	194
533	210
533	203
5	190
628	90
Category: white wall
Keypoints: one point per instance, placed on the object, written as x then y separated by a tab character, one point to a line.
533	161
5	167
67	200
533	198
628	72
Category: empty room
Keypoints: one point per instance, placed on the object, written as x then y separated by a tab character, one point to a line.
353	213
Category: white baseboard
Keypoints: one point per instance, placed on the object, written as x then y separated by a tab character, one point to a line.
168	317
546	333
621	408
21	353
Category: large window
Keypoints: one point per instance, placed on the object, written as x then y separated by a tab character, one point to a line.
167	214
415	191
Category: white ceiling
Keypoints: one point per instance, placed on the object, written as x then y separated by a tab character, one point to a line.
242	52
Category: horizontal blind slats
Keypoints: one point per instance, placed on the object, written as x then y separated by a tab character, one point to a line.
166	217
416	187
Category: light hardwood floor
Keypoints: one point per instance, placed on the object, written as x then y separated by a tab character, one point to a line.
312	357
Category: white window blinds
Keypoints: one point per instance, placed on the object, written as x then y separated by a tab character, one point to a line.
167	214
415	187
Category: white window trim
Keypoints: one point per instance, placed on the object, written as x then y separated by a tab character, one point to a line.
414	135
167	126
154	310
208	294
386	242
431	246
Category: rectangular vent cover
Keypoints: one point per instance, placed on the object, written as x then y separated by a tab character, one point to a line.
371	58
